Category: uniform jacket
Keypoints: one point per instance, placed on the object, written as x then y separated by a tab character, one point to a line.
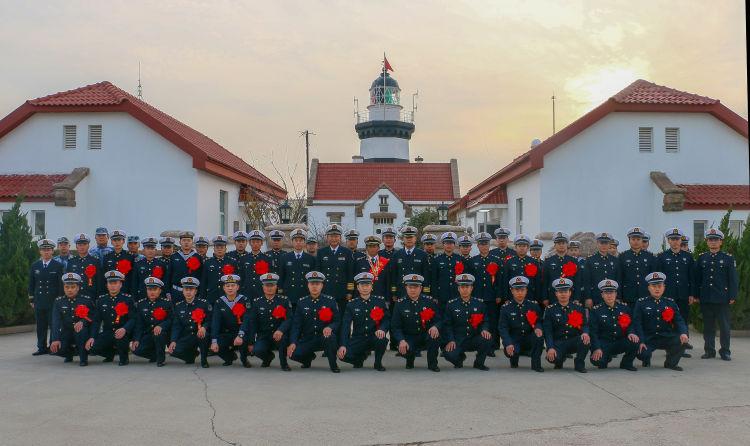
292	282
609	324
147	320
401	264
339	271
678	268
121	261
557	324
597	268
486	287
223	320
514	320
716	279
79	265
106	319
307	323
358	318
457	318
265	316
213	269
45	283
634	267
407	316
64	315
147	268
517	266
184	324
649	319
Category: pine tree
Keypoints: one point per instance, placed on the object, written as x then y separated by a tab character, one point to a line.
17	252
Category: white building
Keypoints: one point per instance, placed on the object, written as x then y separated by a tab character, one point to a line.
650	156
98	156
381	187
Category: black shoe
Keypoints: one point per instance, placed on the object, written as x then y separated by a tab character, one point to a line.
687	355
460	365
688	346
674	367
581	370
409	364
629	367
336	370
152	360
40	352
246	364
558	366
491	354
68	359
227	363
192	361
123	362
434	368
514	365
726	357
286	368
481	367
539	369
83	363
379	367
603	366
267	362
108	359
204	364
357	365
708	355
305	365
646	363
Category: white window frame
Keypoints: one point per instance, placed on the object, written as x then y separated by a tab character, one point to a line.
519	215
66	129
736	227
223	211
35	217
641	139
672	142
698	236
92	128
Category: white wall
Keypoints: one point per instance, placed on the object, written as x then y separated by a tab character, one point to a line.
382	147
207	201
527	188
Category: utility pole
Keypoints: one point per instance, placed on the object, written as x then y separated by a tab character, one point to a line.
306	134
140	87
553	112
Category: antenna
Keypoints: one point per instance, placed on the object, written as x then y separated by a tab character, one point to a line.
140	87
306	134
553	112
414	104
356	109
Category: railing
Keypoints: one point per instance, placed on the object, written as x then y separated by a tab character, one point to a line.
403	116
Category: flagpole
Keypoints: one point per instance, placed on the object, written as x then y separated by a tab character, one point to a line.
384	59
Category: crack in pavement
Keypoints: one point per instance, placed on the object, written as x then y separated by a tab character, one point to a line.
567	426
578	375
213	409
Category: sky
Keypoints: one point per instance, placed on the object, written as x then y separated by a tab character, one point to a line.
252	75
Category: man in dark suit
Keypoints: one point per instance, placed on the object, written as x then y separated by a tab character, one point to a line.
337	264
44	287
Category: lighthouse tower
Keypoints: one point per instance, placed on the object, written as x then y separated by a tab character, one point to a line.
385	130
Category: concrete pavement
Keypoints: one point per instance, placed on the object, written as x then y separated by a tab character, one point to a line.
44	401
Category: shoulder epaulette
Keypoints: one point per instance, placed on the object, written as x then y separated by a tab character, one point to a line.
452	300
58	298
597	306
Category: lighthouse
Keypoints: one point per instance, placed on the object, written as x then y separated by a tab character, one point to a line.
385	129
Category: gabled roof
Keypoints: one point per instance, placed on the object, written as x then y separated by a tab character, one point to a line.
716	196
207	154
34	187
640	96
409	181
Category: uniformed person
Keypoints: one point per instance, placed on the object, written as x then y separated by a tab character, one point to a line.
336	264
465	243
645	242
114	321
613	247
102	248
311	246
134	247
153	324
148	266
428	245
502	251
276	252
574	250
44	288
86	266
535	249
566	328
599	266
635	264
685	244
267	324
253	265
294	265
416	323
226	319
520	326
364	325
488	275
72	316
167	245
677	265
561	264
716	287
63	248
466	326
191	325
658	324
216	266
119	259
611	330
444	270
522	264
389	242
377	266
315	324
185	263
405	261
240	247
352	240
201	247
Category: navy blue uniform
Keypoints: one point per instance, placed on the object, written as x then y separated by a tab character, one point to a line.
292	282
339	271
678	268
651	326
152	313
411	320
64	318
487	287
275	256
716	283
443	282
252	266
213	268
634	267
45	285
237	256
106	322
553	269
401	264
226	322
378	267
463	323
264	318
609	328
530	268
186	319
307	328
90	286
144	269
563	333
597	268
387	253
121	261
358	329
502	254
183	265
515	328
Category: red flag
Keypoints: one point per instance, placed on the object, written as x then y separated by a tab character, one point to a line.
386	65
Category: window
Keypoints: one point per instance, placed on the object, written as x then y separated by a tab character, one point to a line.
672	139
335	218
699	229
383	220
236	226
519	215
223	204
39	226
95	137
69	137
383	203
736	227
645	139
248	228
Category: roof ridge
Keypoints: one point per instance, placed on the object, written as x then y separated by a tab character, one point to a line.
623	96
117	94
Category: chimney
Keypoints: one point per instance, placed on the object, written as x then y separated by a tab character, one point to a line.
358	159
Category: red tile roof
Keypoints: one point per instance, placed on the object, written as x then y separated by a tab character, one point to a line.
34	187
716	196
358	181
104	96
645	92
